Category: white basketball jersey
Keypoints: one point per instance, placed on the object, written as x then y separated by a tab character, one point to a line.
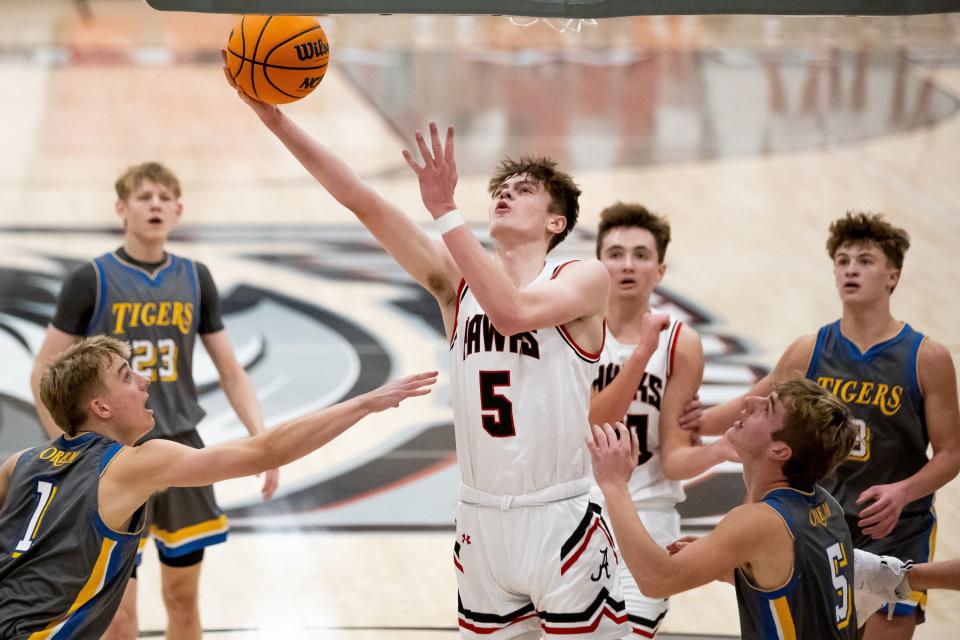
520	403
649	488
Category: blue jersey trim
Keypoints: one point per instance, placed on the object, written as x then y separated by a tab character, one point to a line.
101	293
912	364
817	350
853	351
111	451
191	268
152	280
65	442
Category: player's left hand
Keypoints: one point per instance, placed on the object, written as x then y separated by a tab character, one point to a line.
691	416
438	175
614	451
271	479
878	519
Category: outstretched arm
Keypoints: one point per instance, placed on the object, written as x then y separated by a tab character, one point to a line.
425	259
794	361
938	383
579	291
138	472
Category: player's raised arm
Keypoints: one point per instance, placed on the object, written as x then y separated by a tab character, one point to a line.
794	362
425	259
138	472
610	404
579	290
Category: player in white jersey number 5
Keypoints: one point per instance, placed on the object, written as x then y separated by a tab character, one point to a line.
533	555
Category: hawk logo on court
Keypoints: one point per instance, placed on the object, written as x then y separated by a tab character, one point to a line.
318	315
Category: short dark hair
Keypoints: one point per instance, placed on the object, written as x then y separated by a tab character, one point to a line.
860	227
819	429
564	192
621	214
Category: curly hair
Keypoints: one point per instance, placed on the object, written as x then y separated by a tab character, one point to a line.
860	227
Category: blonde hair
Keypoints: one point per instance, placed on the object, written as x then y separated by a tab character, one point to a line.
75	377
818	428
130	179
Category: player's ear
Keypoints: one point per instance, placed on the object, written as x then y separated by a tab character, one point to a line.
661	269
893	280
780	451
99	408
179	210
557	223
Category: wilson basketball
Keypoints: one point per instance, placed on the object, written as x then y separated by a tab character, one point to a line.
277	59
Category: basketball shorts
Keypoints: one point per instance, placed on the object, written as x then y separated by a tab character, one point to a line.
183	520
539	562
914	538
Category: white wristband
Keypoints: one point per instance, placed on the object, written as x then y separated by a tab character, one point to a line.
449	221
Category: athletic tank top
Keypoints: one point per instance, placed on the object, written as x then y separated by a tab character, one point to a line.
881	390
520	402
62	570
817	601
649	488
158	314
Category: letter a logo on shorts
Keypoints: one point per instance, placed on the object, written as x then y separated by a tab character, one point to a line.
603	568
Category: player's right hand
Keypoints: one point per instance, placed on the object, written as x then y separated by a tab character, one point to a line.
262	109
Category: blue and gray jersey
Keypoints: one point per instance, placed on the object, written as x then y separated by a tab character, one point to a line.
63	571
816	603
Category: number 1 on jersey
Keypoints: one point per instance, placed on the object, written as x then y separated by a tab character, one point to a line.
46	490
640	423
499	424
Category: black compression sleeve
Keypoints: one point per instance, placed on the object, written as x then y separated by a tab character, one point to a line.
211	319
76	301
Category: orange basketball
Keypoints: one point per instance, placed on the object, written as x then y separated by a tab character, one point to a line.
277	59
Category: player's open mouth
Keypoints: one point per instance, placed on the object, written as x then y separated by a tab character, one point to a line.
628	281
156	220
851	286
502	207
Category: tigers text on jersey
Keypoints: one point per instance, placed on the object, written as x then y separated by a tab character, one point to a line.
520	402
649	487
880	388
816	603
158	314
63	571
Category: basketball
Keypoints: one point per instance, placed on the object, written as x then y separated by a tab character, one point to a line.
277	59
